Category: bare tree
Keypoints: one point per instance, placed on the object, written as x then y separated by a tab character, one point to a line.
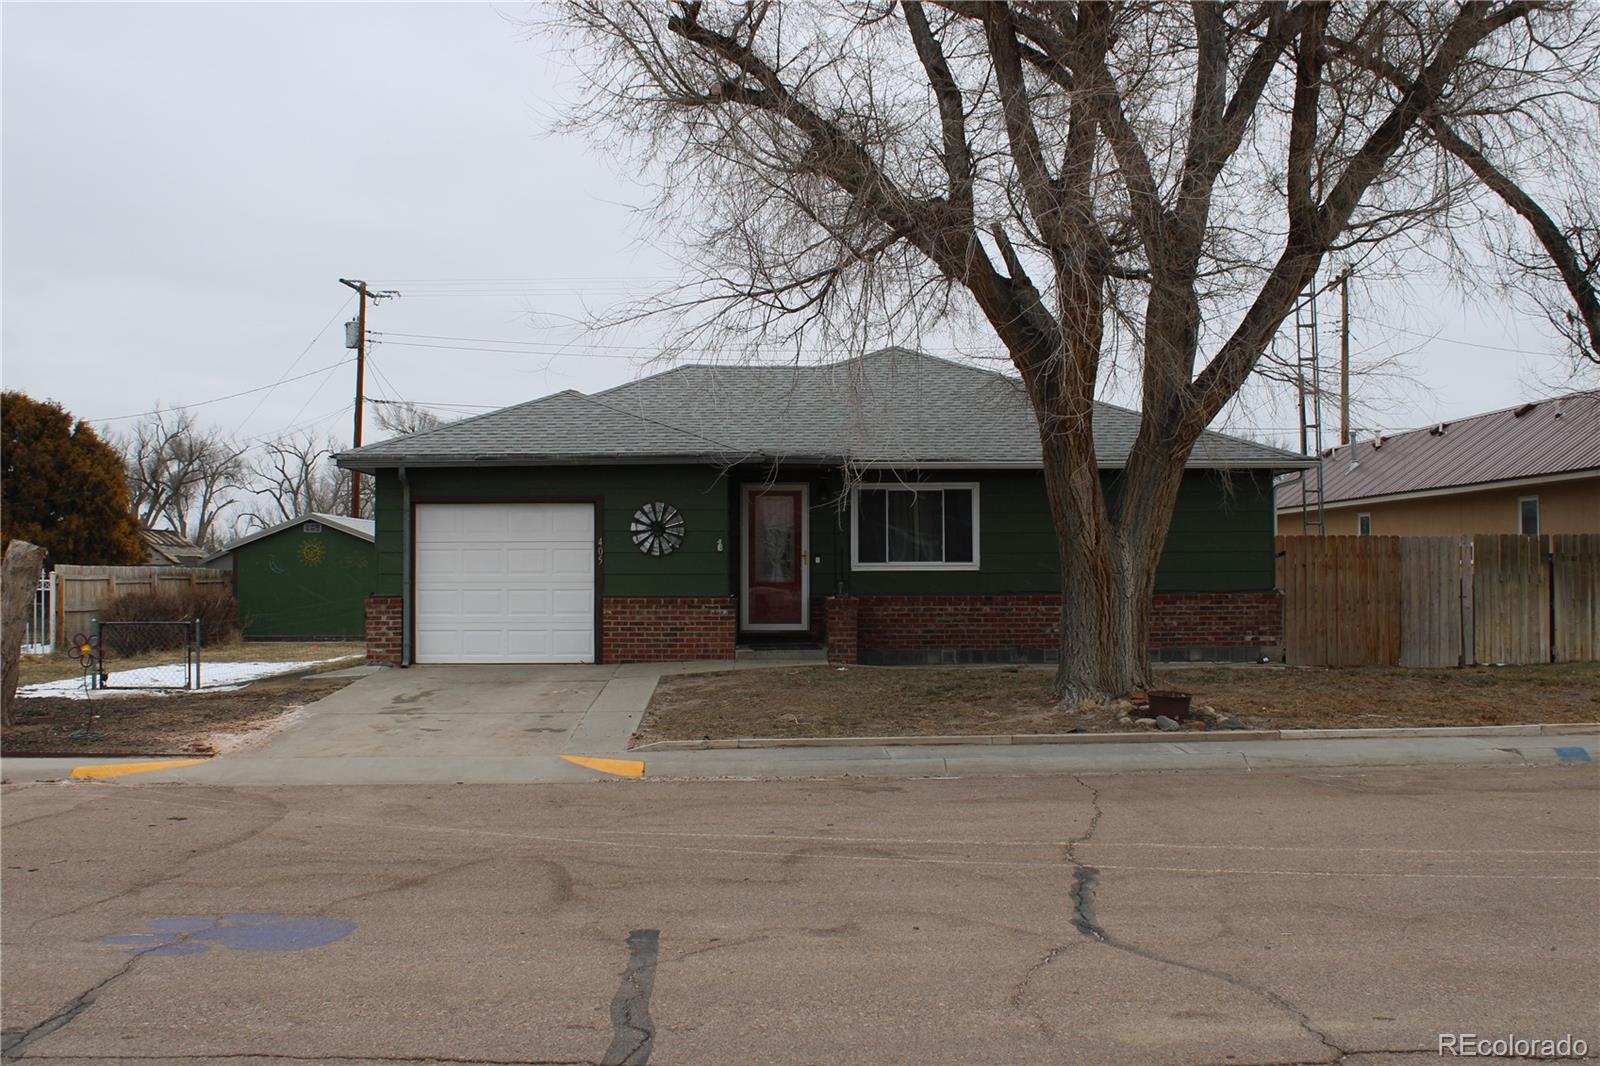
1147	187
293	476
404	417
182	475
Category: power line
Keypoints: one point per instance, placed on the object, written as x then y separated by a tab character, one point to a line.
303	352
230	396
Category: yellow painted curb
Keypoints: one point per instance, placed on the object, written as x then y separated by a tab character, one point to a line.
123	769
619	767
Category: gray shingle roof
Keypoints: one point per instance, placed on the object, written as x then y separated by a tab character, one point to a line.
1558	436
890	407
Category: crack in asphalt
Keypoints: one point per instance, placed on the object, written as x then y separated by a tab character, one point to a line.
1085	883
1082	904
633	1031
14	1045
277	811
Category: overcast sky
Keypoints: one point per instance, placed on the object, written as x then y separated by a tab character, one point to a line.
184	185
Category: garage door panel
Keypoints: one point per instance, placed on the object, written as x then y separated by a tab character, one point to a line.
571	562
505	582
530	562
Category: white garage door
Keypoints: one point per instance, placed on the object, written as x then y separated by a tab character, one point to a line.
505	583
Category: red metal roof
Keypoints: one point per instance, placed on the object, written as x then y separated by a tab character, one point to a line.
1556	436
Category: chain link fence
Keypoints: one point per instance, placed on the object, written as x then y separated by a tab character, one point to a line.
159	655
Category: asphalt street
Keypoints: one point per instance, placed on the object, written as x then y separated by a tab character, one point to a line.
1204	917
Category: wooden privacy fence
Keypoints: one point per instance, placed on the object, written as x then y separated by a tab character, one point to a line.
1440	601
82	592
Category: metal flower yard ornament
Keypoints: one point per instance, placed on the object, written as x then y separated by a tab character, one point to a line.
657	529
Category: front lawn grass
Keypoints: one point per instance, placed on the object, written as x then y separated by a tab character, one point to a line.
826	701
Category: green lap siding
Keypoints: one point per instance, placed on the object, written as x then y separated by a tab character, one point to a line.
697	568
294	584
1221	539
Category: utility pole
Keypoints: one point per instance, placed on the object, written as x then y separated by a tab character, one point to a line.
360	346
1344	357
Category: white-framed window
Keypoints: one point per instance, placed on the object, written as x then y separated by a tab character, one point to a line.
914	527
311	527
1364	524
1528	515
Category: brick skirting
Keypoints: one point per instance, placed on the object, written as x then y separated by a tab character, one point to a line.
1023	628
384	630
656	629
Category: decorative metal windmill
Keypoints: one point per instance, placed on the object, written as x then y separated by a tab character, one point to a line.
657	529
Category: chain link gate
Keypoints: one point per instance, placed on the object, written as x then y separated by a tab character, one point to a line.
159	655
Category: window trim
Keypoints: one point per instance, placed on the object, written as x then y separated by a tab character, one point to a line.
1364	532
895	486
1538	516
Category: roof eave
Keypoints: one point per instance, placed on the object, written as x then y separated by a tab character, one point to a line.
372	464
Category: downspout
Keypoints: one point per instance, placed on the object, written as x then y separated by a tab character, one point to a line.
405	568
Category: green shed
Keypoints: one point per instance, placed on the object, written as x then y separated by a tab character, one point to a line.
305	579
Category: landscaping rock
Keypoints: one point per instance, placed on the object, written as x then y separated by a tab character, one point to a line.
1228	721
1165	724
1144	723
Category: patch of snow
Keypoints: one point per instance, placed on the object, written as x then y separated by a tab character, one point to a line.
214	677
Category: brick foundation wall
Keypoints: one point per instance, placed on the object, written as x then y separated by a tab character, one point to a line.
1251	620
655	629
1008	628
842	618
384	630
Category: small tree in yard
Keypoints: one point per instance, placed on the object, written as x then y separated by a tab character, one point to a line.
1139	187
63	487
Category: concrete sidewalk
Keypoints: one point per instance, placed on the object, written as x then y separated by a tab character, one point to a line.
953	761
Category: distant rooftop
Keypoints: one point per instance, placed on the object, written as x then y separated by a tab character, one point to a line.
893	407
1541	439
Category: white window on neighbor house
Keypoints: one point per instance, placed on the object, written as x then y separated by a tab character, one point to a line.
920	527
1364	524
311	527
1528	515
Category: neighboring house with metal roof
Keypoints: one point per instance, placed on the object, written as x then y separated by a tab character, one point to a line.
1533	468
166	547
889	507
304	579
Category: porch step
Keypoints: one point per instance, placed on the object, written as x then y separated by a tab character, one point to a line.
781	652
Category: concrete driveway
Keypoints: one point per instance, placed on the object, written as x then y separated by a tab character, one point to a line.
450	711
469	720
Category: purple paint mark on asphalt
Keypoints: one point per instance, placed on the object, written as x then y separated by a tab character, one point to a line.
239	931
284	934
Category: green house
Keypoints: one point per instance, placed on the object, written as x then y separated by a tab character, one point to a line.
889	508
304	579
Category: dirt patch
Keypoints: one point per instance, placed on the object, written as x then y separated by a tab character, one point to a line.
825	701
181	723
60	664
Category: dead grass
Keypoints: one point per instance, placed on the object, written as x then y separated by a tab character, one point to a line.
824	701
60	665
180	723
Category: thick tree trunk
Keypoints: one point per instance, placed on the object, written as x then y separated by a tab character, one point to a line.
1108	552
19	573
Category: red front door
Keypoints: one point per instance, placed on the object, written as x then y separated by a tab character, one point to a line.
775	593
